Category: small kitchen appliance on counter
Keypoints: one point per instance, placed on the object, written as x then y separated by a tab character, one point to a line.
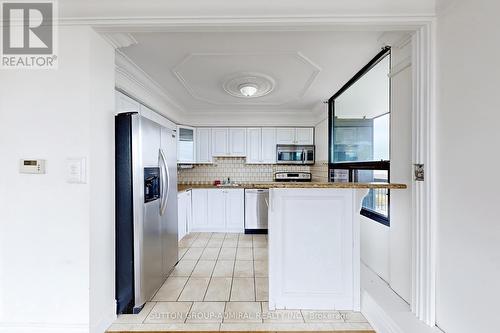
292	176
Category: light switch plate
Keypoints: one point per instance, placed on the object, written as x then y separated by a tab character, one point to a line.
76	170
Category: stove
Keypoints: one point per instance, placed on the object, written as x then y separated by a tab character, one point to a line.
292	176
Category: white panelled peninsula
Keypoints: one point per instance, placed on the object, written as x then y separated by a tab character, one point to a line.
257	144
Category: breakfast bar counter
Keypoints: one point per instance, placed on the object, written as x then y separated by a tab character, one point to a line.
314	245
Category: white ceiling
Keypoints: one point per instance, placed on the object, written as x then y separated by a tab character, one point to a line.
307	66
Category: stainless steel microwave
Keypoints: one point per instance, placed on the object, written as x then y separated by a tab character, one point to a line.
295	154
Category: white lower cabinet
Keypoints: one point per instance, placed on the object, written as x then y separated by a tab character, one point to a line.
184	215
218	210
199	202
235	210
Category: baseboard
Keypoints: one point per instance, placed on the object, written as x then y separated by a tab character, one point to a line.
385	310
43	328
105	322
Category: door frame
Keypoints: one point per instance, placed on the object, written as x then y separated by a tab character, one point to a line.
422	28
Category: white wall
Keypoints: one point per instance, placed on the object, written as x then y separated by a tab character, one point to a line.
102	181
401	171
48	225
387	251
468	228
321	139
231	9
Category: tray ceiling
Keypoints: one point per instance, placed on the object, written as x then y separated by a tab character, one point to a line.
307	67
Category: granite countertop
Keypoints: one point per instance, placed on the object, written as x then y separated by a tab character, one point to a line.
266	185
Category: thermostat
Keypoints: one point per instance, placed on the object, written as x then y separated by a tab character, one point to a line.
32	166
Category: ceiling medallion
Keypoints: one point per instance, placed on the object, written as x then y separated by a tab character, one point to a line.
248	85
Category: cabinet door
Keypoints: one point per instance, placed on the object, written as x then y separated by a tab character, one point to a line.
304	136
237	141
199	198
254	145
216	210
203	145
181	214
268	145
285	136
220	142
189	210
235	210
185	144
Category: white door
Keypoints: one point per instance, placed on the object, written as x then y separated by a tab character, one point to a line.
254	145
203	145
237	141
268	145
285	136
304	136
220	142
235	210
216	209
199	199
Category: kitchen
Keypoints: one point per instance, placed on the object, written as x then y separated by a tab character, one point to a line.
233	187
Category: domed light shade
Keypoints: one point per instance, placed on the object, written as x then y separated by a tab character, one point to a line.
248	89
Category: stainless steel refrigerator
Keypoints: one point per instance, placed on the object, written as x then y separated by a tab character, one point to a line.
146	208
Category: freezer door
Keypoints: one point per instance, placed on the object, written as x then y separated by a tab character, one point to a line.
147	224
168	217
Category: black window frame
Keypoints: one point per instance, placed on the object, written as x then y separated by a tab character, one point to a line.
352	167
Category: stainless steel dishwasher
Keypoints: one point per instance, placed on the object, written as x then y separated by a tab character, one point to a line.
256	207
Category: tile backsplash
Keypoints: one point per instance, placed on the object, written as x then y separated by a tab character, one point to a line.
236	169
319	171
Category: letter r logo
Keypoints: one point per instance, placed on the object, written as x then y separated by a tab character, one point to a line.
28	28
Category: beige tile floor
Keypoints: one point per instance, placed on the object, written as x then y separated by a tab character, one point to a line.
221	283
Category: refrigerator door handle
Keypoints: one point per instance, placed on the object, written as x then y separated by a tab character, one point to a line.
165	176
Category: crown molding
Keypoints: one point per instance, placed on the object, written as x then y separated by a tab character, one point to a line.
131	79
119	39
244	23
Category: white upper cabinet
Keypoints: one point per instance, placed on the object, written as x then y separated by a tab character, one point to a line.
186	137
237	141
295	136
268	145
261	145
304	136
254	145
220	142
285	136
203	145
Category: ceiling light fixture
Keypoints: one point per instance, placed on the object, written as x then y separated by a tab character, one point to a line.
248	89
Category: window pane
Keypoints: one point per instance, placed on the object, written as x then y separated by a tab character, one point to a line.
377	200
362	119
